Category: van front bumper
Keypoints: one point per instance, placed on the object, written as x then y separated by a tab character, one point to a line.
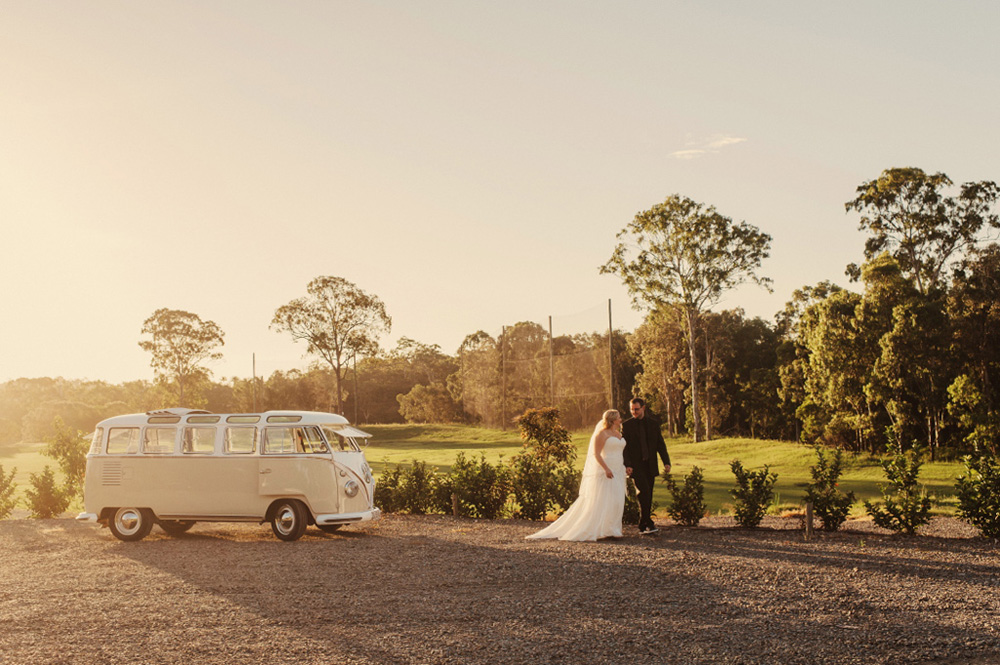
347	518
86	517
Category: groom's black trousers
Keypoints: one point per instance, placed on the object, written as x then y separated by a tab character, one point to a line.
643	477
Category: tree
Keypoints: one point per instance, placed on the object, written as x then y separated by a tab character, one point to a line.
477	384
428	404
974	310
544	434
683	254
659	343
68	447
908	214
338	321
180	343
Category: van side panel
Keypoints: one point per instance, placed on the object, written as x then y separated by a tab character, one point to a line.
176	486
312	478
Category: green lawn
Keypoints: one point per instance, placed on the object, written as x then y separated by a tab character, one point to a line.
438	445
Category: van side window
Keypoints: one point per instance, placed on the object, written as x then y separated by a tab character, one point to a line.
288	440
159	440
280	440
95	443
123	440
240	440
199	440
313	441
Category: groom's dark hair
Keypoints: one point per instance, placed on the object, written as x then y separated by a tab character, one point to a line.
638	400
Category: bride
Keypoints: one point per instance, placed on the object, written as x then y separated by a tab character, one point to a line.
597	512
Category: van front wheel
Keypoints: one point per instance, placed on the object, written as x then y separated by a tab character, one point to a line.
289	520
130	524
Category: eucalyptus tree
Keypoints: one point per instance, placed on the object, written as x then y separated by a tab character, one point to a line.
909	214
338	322
685	254
180	343
975	315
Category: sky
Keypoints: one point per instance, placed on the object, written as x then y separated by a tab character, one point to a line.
470	163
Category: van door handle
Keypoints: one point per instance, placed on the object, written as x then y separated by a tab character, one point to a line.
266	471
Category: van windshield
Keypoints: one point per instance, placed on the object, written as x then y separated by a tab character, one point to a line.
339	441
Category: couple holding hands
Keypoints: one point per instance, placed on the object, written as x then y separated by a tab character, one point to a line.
617	450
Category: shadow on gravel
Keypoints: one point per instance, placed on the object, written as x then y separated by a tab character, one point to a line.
842	552
443	590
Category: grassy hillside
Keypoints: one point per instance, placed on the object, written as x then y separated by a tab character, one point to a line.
438	445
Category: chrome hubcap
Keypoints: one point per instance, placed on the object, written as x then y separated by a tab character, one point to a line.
286	519
128	520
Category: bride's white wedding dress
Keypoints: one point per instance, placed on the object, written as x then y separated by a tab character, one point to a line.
597	512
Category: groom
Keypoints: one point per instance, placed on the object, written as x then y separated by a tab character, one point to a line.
643	441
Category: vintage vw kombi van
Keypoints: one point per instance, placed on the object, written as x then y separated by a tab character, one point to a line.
180	466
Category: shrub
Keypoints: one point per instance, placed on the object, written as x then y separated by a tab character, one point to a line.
416	489
829	503
541	485
688	505
978	489
906	506
387	489
410	489
45	499
7	487
565	487
543	433
754	493
483	489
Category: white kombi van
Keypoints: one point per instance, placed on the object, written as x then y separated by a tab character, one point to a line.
180	466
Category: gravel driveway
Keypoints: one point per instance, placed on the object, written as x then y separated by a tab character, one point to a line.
436	589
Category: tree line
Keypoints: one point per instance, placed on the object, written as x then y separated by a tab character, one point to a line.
908	347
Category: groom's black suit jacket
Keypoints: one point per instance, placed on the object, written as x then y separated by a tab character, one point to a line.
633	430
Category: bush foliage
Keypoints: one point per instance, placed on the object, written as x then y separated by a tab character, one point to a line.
754	493
45	498
905	506
7	488
978	490
688	505
543	433
829	503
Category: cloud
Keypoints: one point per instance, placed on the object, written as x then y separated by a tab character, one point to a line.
708	147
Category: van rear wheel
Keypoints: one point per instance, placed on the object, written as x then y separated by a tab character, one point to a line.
289	519
176	527
130	524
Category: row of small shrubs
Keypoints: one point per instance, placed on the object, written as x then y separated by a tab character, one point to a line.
904	508
535	482
528	487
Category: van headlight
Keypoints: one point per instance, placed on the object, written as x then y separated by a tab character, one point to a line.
351	488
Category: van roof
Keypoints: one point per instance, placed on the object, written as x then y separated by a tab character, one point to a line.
182	415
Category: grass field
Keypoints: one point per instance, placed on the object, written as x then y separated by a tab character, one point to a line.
438	445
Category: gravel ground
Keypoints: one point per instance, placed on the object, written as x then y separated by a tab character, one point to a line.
439	589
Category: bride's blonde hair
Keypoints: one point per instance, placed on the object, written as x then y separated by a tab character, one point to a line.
608	419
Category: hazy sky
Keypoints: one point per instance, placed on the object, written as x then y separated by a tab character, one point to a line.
468	162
